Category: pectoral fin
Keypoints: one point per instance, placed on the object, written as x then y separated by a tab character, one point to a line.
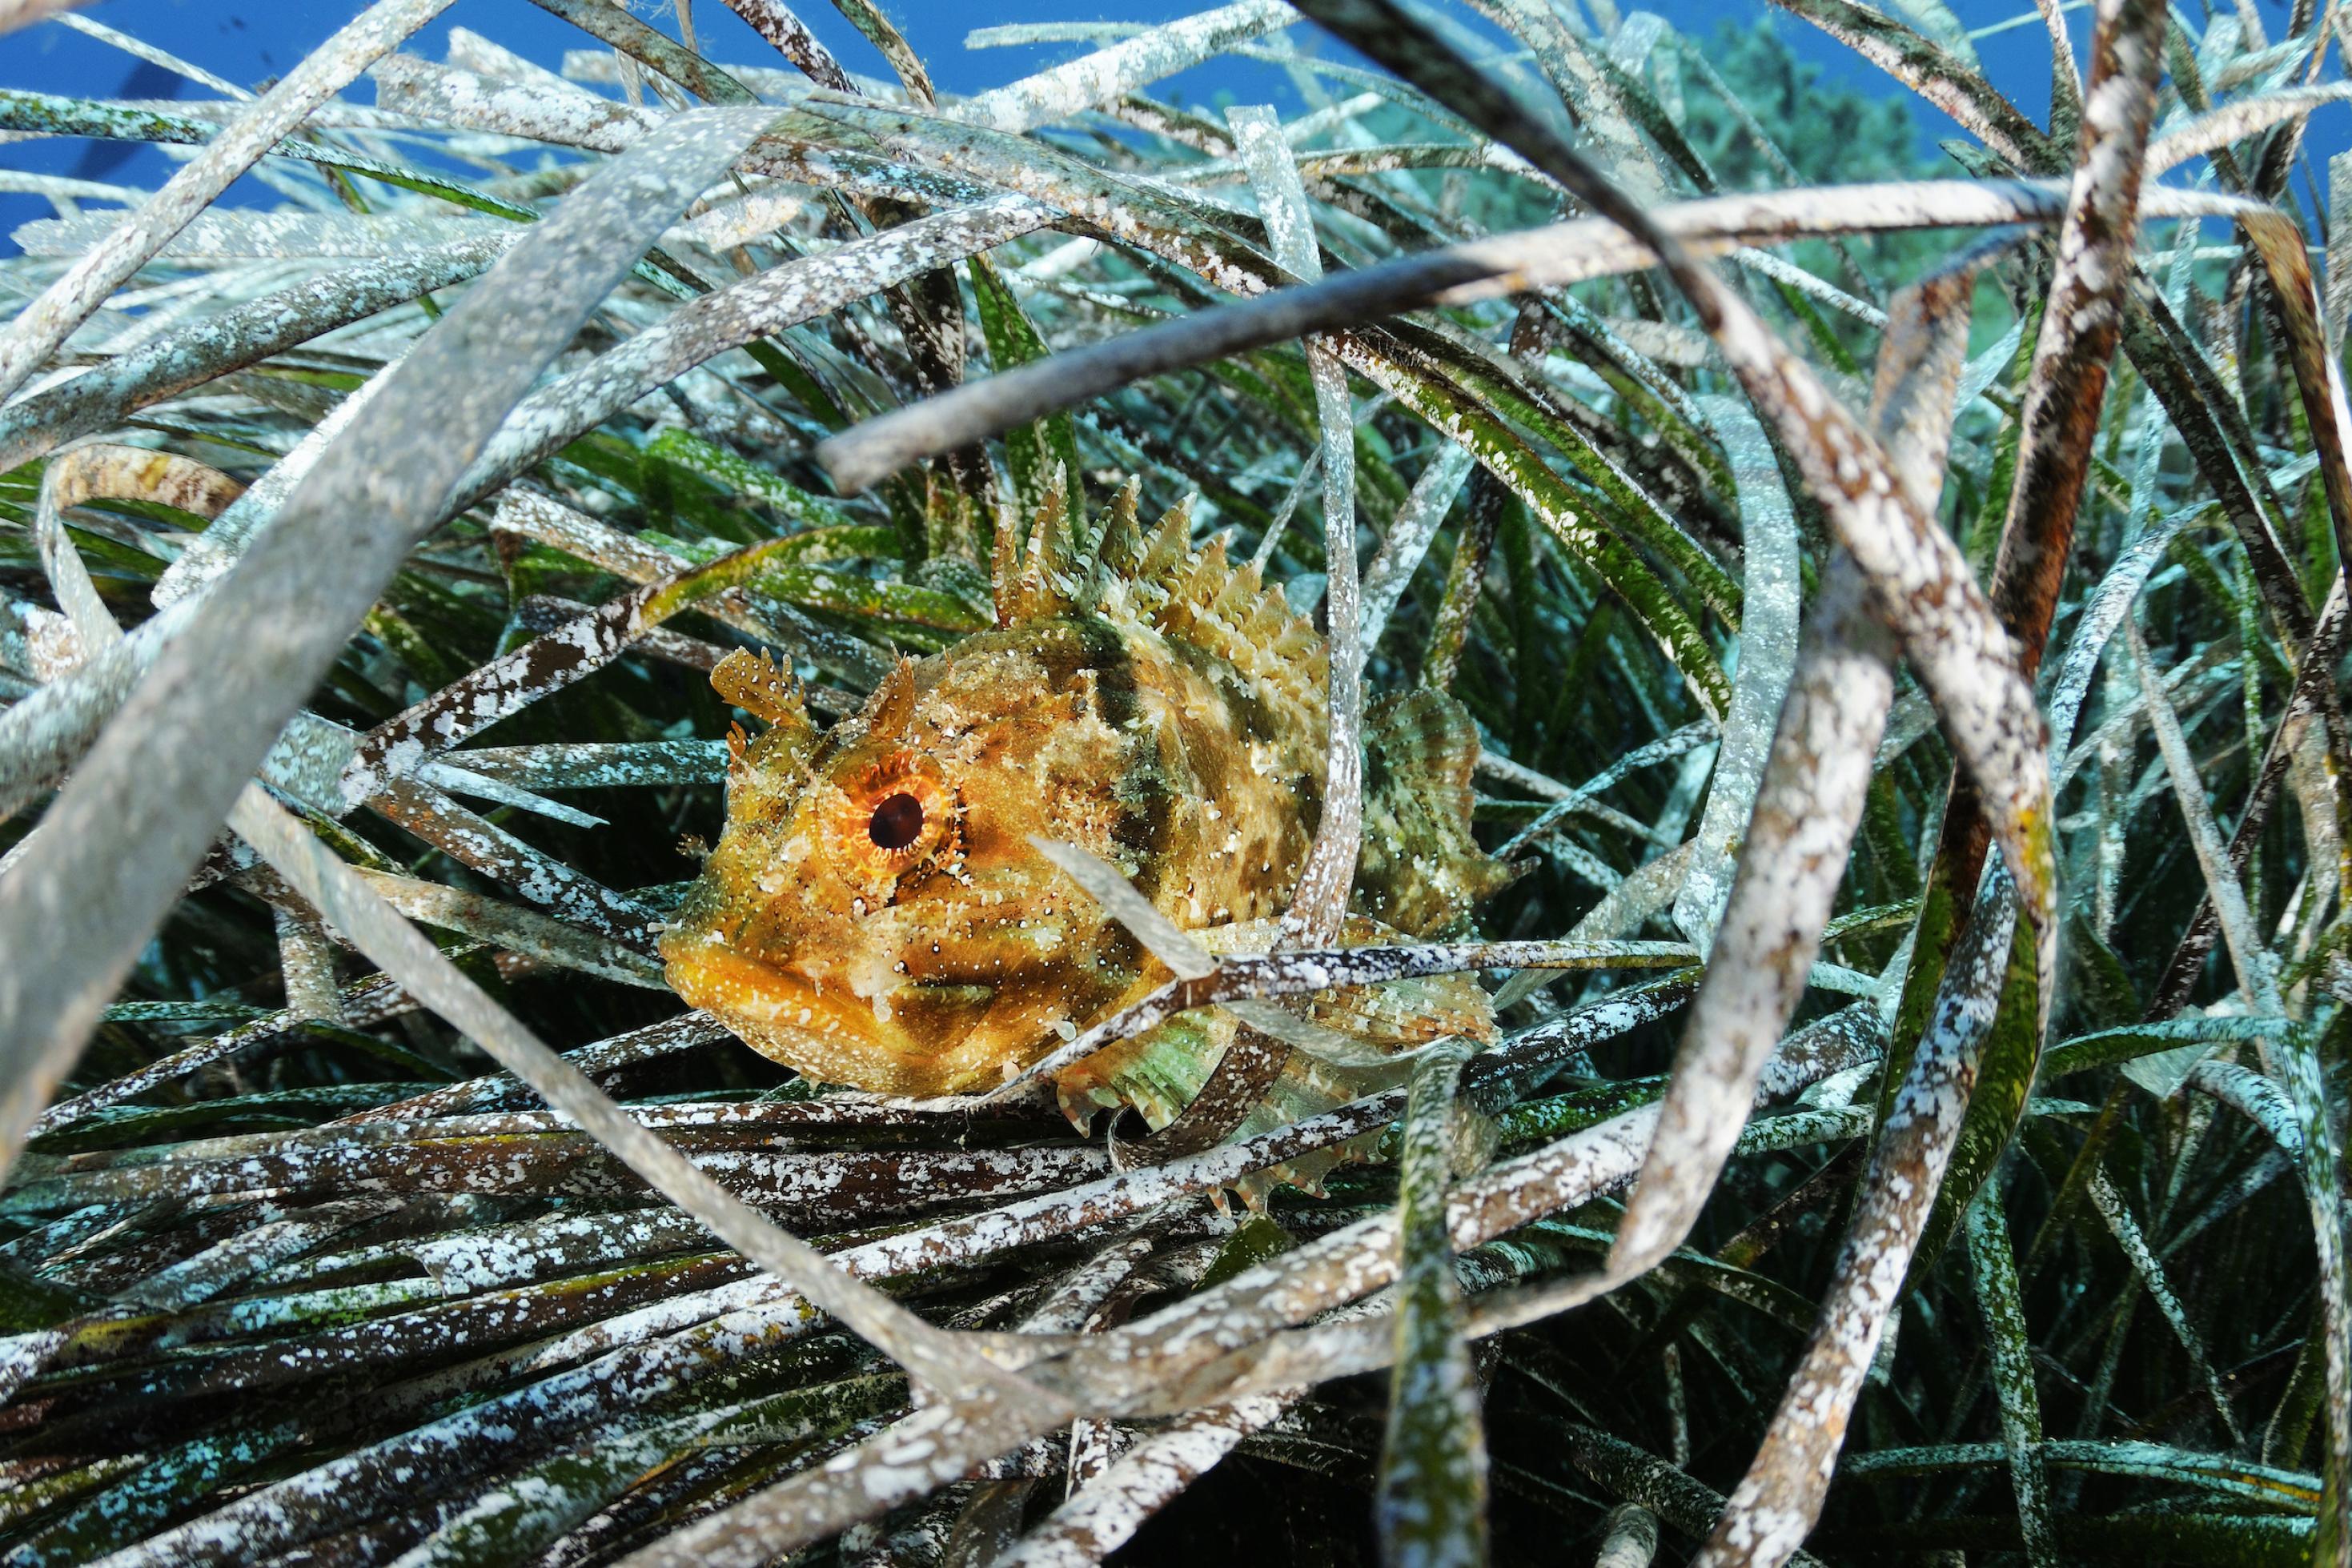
1420	869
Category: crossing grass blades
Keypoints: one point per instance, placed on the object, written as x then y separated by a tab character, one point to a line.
1901	603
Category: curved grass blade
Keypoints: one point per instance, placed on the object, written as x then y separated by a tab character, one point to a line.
1768	657
1318	900
1431	1505
2289	1062
352	906
1995	1272
30	339
213	702
1104	1515
1808	804
1774	1505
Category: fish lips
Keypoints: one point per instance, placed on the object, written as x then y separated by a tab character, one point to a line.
825	1033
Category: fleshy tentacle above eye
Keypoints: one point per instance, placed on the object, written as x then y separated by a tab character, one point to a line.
764	771
754	682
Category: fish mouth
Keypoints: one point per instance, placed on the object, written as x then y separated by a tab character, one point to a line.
827	1034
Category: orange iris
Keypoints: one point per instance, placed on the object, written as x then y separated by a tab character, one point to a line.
896	818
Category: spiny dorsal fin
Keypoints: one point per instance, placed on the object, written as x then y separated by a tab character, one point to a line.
1230	612
1239	599
1166	548
1193	586
1127	558
1201	598
1117	540
1050	575
1004	564
1160	581
1421	869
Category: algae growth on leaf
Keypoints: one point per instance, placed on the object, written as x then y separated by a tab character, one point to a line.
705	732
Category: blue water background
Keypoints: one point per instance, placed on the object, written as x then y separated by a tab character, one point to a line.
253	41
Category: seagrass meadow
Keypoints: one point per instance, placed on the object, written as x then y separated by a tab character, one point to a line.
1892	1110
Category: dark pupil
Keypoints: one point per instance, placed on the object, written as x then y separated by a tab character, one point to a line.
897	822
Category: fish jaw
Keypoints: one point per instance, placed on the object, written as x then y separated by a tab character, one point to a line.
916	1040
831	1036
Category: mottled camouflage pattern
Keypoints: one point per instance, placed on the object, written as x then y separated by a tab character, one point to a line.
874	914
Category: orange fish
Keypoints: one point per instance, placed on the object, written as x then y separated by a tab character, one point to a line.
874	914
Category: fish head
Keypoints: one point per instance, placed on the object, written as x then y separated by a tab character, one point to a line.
875	912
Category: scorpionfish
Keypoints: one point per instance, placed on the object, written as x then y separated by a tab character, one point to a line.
875	915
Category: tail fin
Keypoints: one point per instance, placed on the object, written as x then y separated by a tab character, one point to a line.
1420	869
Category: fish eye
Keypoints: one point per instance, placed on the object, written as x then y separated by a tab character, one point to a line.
897	823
